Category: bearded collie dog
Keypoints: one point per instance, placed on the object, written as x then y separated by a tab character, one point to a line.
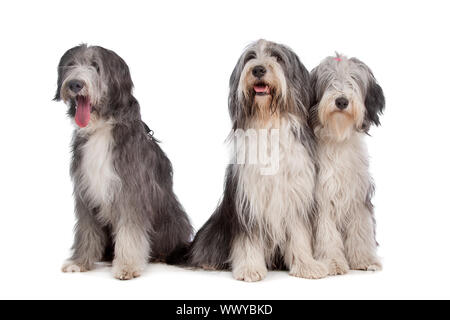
347	101
125	207
264	219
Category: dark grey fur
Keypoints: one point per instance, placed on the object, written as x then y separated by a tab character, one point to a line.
145	200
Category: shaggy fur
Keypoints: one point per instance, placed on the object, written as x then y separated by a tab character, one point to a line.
124	203
263	220
347	101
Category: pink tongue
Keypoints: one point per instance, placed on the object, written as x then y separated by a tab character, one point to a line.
261	89
83	114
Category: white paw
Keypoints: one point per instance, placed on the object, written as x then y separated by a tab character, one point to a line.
374	267
71	266
126	272
310	270
366	266
250	274
337	267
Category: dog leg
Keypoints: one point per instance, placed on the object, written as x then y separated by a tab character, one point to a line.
131	251
360	243
247	259
329	247
298	254
171	232
90	240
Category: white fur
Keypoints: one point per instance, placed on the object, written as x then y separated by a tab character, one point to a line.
72	267
248	261
278	206
345	231
98	180
131	252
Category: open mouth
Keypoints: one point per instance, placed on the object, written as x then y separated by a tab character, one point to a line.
261	88
83	111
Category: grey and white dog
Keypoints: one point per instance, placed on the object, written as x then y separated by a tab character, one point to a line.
347	101
125	206
264	221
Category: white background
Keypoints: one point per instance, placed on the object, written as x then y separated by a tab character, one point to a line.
181	55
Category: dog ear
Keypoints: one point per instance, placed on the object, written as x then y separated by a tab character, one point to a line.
60	80
118	74
301	81
313	117
374	103
233	97
58	90
313	85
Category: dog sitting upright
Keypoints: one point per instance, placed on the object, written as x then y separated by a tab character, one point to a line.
347	102
263	220
125	206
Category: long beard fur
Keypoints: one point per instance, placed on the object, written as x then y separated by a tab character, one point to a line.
261	108
340	125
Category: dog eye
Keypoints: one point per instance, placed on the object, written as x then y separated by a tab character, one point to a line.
277	56
96	66
249	57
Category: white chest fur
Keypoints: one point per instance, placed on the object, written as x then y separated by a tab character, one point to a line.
273	202
343	179
98	178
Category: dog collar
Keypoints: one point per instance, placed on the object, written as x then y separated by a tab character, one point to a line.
149	132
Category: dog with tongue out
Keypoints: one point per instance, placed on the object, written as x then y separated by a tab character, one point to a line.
125	206
83	112
263	221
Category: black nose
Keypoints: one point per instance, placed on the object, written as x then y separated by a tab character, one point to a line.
259	71
341	103
76	85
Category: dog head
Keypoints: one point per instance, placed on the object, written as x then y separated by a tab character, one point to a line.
93	81
268	80
346	98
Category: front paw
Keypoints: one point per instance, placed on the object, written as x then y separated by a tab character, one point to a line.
310	270
126	272
250	274
337	266
368	265
72	266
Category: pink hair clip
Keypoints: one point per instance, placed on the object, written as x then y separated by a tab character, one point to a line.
338	59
